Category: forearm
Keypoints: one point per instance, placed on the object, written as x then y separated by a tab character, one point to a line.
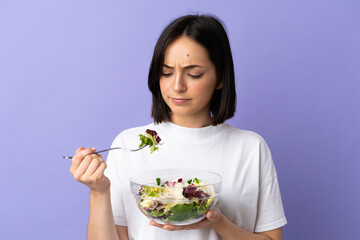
101	222
230	231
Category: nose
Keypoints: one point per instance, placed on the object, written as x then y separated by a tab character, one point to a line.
179	84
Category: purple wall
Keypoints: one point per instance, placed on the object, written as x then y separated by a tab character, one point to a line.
73	73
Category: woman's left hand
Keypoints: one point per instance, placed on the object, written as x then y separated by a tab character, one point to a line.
211	220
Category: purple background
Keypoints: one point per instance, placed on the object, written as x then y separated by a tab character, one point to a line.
73	73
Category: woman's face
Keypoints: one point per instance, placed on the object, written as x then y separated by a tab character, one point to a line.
188	82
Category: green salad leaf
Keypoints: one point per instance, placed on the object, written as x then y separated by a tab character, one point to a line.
181	212
157	214
158	181
150	191
151	139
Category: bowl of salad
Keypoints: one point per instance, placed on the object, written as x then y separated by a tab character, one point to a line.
178	197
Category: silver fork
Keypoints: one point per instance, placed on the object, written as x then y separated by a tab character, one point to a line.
109	149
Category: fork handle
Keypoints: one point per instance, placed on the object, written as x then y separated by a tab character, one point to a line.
105	150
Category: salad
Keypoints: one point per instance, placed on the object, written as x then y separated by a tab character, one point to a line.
176	201
151	139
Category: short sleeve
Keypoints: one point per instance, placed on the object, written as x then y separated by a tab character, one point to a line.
116	187
270	212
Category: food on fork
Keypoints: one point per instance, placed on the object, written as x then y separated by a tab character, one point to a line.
151	139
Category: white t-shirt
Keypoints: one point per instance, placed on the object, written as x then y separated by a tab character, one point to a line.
250	194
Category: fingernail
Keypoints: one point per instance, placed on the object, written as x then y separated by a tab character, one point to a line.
211	215
93	148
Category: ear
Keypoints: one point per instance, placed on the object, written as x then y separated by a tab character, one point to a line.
219	85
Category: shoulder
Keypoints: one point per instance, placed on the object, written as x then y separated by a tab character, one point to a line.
242	135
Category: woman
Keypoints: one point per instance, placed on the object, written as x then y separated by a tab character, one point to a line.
191	78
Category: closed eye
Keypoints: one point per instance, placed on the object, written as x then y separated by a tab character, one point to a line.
196	76
166	74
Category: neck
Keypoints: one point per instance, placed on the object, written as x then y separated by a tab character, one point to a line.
192	121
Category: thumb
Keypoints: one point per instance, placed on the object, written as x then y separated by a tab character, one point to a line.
213	214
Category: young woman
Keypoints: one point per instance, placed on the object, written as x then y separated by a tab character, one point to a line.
192	83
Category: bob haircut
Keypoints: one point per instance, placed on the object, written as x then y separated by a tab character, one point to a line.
209	32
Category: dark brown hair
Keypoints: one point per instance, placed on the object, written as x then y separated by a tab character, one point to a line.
209	32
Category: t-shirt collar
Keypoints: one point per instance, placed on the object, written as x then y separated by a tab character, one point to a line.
172	130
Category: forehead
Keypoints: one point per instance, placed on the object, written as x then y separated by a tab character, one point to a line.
185	50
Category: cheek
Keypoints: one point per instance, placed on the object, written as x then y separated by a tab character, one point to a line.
209	93
206	90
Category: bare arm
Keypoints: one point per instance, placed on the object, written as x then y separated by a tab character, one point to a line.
122	232
88	168
101	221
229	231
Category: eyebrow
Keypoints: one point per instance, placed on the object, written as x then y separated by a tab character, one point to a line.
186	67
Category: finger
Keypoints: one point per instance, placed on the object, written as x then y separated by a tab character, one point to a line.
171	227
210	215
94	164
213	214
155	224
75	162
79	149
82	167
83	153
202	224
100	170
79	157
168	226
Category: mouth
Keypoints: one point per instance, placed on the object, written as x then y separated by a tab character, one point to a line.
180	100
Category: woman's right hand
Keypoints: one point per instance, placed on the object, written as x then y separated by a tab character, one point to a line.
88	168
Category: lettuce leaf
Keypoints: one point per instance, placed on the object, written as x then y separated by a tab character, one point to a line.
150	139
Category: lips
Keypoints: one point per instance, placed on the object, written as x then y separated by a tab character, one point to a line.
180	100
